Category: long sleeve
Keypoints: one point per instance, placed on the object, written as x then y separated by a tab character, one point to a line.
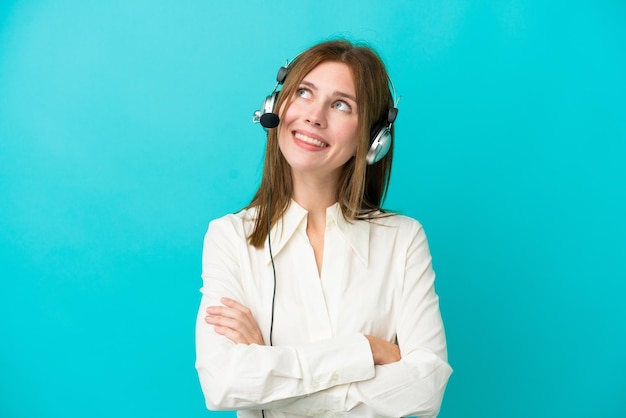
238	376
377	279
415	385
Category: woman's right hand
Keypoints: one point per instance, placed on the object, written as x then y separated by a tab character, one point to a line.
383	351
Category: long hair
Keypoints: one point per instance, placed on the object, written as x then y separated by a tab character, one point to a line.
361	188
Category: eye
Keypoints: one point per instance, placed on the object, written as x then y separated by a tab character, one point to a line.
341	105
303	93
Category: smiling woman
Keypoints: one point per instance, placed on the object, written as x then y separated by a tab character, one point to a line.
319	130
316	300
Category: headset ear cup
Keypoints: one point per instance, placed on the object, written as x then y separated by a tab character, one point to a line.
392	114
282	74
270	102
379	145
266	114
268	118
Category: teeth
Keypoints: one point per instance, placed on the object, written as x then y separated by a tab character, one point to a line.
310	140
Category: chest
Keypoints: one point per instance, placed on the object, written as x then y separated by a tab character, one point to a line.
350	295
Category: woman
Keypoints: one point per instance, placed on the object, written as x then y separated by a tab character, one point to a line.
333	311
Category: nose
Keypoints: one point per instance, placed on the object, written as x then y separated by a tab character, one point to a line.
316	114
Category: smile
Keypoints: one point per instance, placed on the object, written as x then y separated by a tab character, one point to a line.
302	137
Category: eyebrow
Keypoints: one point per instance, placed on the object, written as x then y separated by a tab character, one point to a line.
337	93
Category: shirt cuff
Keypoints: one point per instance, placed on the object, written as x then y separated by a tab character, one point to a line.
343	359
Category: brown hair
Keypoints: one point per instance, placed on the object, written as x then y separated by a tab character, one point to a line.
362	188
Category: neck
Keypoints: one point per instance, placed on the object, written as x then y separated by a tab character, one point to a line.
314	195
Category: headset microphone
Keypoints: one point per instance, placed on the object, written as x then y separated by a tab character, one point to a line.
269	120
265	115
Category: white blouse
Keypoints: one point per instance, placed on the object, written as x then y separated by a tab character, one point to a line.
376	279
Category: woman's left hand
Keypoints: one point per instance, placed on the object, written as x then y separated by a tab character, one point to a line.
235	322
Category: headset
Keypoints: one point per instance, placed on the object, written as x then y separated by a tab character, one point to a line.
380	136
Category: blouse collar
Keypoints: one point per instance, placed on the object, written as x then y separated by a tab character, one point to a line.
356	233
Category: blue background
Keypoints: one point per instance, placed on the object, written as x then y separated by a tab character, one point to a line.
125	127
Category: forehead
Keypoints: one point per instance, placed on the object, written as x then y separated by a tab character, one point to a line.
332	76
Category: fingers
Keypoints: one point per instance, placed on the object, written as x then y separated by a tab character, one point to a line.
235	322
233	315
231	328
231	334
239	309
383	352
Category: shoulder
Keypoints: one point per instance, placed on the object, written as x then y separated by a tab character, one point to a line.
235	225
393	220
404	237
403	230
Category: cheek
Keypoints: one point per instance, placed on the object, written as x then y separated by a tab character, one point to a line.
286	112
281	136
351	135
283	126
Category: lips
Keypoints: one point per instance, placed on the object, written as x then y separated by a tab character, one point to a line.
309	140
